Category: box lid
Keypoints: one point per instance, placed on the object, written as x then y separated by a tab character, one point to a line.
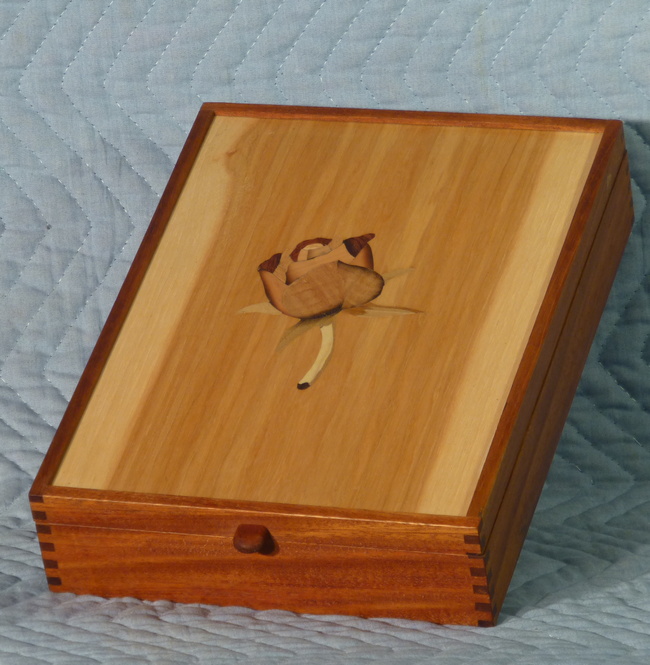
397	263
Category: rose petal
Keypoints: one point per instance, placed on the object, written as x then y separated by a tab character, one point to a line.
363	258
360	285
314	241
318	292
296	270
274	289
271	264
355	245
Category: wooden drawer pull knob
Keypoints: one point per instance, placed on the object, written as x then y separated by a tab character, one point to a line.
253	539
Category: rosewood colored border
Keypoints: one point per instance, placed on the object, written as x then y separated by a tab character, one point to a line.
493	121
154	513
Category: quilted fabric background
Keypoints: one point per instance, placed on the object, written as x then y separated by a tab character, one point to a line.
96	99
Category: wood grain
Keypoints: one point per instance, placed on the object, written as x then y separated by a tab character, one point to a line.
206	405
542	344
169	514
185	568
120	309
474	120
403	481
506	535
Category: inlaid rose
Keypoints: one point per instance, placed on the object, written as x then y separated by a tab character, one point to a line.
318	280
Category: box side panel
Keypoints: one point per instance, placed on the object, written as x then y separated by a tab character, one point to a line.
535	365
552	408
295	577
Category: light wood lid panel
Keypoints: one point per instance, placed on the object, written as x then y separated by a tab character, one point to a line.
195	398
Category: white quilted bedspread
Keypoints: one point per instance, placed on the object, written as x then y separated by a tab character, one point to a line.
96	99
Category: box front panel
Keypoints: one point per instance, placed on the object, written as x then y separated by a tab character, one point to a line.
294	576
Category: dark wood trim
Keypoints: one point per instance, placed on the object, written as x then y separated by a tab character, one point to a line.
493	121
109	499
483	607
161	514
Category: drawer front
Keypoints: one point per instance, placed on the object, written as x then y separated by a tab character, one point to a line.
299	577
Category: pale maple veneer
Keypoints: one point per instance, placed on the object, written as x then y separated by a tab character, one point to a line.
403	481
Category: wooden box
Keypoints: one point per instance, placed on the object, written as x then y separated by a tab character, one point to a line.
336	374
